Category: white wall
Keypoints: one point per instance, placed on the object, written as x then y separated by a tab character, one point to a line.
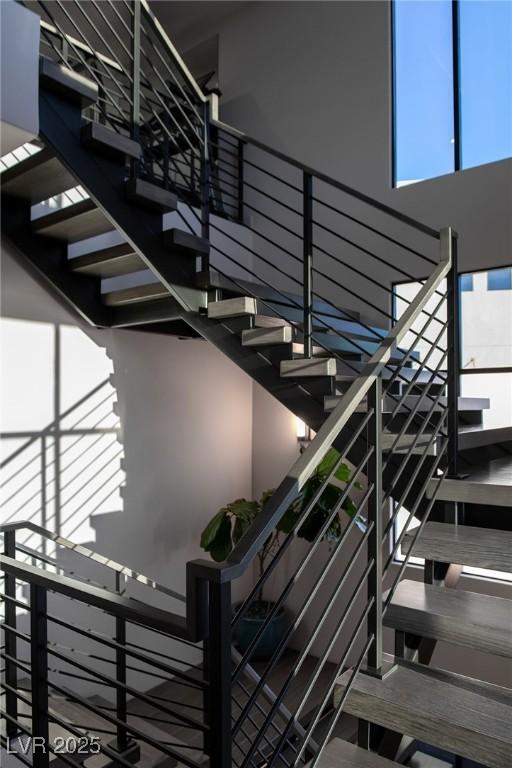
19	87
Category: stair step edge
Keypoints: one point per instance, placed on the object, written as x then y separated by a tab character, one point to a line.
473	620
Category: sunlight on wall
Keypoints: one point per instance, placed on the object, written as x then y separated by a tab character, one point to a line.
59	433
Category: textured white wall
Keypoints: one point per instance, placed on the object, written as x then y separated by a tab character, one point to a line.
19	87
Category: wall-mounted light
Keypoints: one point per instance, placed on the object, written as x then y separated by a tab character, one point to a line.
303	432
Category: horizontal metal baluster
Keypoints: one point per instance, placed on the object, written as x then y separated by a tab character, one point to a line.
416	471
411	515
420	422
299	615
417	533
75	49
307	648
100	677
339	668
135	732
412	383
339	709
303	517
404	458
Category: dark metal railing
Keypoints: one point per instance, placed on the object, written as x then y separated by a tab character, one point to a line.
145	90
51	659
323	257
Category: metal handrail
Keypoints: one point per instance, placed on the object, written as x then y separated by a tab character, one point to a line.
107	562
244	552
125	607
174	53
245	138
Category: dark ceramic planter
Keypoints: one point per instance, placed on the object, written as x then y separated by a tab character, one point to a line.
248	627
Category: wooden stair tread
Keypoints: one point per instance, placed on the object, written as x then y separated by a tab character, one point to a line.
490	484
464	545
237	307
115	260
38	177
305	367
264	337
422	404
185	242
341	754
74	222
453	615
138	293
151	196
101	138
66	82
465	716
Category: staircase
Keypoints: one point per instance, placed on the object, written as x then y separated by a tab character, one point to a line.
140	210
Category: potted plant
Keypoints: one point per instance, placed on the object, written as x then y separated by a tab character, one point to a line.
229	524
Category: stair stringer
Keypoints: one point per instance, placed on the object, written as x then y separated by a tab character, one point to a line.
103	179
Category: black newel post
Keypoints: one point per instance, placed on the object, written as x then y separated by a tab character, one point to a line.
39	676
307	280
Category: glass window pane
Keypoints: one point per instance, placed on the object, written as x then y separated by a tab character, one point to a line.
466	282
485	33
423	83
498	388
486	323
499	280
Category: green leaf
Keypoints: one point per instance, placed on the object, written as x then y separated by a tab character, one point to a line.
343	473
222	544
243	509
210	532
239	528
327	464
289	519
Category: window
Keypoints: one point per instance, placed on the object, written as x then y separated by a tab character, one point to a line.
423	90
452	92
486	338
499	280
466	283
485	43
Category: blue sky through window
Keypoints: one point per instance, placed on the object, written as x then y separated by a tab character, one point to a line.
485	32
424	90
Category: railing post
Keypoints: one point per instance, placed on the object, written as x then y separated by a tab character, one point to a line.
121	704
44	500
307	243
374	659
39	676
241	146
11	673
448	241
218	653
205	183
135	73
